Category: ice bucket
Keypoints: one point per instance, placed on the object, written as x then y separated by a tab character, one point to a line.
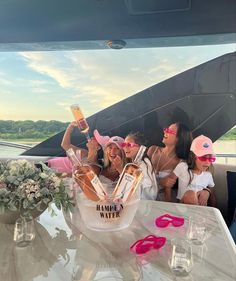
107	215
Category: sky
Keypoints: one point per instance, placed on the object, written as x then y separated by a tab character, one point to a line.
43	85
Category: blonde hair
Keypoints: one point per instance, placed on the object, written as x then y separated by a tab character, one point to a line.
106	161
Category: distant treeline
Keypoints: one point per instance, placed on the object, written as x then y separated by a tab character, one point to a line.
231	135
29	129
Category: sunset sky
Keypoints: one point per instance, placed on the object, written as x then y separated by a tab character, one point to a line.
42	85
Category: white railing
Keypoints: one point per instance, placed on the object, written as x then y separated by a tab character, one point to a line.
16	145
226	158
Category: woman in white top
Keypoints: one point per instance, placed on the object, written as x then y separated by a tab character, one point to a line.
133	145
177	140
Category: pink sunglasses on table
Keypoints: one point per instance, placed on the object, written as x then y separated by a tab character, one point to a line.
143	246
169	131
166	219
210	159
129	144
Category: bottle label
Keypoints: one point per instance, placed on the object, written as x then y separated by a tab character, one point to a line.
125	186
82	124
98	187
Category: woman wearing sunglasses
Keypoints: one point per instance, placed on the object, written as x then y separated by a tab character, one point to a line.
133	145
177	140
195	179
113	154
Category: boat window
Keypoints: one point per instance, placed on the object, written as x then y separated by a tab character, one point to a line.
38	87
226	148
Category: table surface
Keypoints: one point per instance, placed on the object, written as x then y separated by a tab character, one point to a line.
64	249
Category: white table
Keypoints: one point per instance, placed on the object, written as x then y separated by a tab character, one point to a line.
64	249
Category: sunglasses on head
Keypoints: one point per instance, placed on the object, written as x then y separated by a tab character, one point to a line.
210	159
129	144
143	246
169	131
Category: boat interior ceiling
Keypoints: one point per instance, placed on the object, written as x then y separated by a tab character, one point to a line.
203	97
98	24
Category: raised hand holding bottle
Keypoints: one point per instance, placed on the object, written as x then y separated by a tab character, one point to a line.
80	119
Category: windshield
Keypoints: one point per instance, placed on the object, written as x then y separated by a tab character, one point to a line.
38	87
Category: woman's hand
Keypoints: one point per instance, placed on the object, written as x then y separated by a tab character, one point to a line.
118	164
167	181
203	197
72	125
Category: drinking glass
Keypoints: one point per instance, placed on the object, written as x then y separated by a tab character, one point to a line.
24	231
197	230
181	261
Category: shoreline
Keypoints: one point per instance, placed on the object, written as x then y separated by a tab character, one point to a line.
23	141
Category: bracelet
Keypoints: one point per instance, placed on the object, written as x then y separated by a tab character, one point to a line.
207	189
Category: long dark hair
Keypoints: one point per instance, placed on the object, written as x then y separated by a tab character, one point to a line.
184	140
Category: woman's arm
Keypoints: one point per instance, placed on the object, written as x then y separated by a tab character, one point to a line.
66	141
168	182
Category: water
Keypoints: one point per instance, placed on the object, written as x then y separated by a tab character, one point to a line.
6	151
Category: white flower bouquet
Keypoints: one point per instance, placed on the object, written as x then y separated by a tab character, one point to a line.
24	187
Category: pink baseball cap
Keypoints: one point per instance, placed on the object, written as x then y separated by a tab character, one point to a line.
104	141
202	145
116	140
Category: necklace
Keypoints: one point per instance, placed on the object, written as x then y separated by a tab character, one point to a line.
158	169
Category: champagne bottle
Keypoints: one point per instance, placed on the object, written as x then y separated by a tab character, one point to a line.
86	178
80	119
130	178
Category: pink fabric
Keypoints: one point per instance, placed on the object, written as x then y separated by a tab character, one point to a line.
102	140
201	146
60	164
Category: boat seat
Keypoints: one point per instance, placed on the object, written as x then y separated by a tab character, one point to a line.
221	190
231	180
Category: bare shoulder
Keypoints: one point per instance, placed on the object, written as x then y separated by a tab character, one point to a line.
152	150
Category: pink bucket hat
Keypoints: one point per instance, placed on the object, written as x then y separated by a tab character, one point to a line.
202	145
104	141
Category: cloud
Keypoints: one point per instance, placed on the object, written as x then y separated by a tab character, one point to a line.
48	64
97	79
40	91
4	81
